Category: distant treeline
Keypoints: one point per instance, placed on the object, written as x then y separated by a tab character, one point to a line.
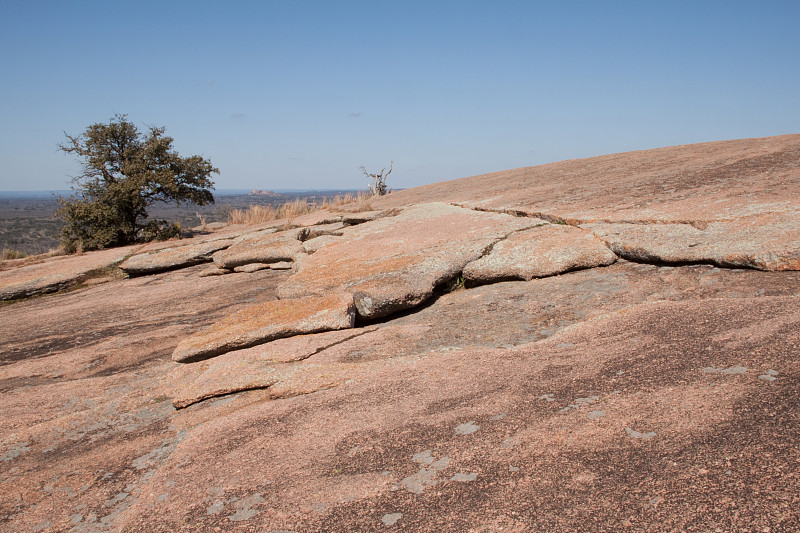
27	222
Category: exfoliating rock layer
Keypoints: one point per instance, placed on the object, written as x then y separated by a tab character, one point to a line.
606	344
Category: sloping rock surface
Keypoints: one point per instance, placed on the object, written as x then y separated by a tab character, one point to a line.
260	323
767	242
312	245
499	315
633	397
538	252
57	273
614	413
252	267
395	263
171	258
695	182
260	247
252	368
311	232
215	271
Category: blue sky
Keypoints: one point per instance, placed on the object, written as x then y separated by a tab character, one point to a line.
299	94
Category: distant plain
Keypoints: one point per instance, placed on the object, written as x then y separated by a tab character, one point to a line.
28	223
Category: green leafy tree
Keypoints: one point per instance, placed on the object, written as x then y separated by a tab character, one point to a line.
124	172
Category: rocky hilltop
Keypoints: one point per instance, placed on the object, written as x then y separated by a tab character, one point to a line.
605	344
262	192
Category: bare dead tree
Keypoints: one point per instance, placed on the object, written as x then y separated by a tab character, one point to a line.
378	187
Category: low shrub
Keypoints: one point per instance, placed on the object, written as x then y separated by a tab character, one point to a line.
160	230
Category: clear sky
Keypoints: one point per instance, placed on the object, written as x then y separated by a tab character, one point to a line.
283	94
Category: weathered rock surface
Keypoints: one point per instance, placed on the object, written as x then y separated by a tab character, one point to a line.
260	247
352	218
312	245
513	438
84	404
57	273
173	257
311	232
395	263
81	379
269	246
626	398
323	216
253	368
766	242
281	265
695	182
214	271
538	252
251	267
261	323
500	315
364	216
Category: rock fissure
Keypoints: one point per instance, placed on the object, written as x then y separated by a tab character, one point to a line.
770	241
766	241
577	222
553	219
490	247
644	257
539	251
178	404
356	333
260	323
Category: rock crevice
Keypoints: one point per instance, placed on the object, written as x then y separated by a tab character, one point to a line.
766	241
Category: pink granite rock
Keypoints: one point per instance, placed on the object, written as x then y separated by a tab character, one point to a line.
765	242
173	257
264	322
252	368
282	265
214	271
311	232
708	181
260	247
498	315
395	263
293	366
312	245
59	272
631	397
538	252
613	409
321	216
251	267
353	219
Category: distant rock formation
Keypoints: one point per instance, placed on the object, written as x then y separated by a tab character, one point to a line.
268	194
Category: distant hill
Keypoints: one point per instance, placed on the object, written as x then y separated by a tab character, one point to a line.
269	194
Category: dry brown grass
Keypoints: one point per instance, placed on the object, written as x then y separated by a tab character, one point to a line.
254	214
8	254
257	214
295	208
10	259
352	202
